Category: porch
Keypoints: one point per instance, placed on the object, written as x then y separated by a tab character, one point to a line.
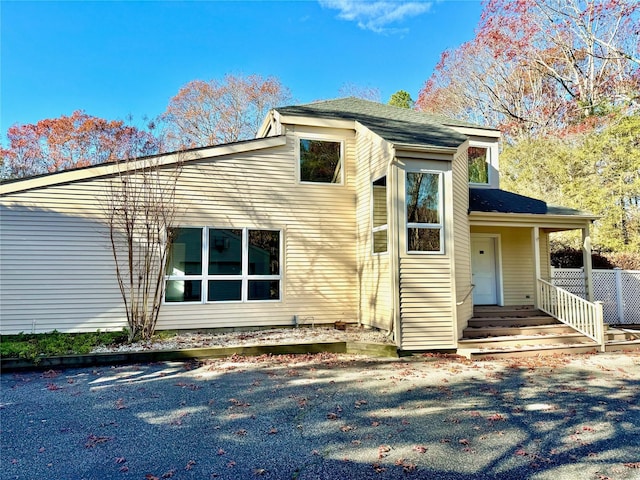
516	308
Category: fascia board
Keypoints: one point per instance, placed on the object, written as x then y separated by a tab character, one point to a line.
529	220
476	132
136	164
264	126
317	122
424	148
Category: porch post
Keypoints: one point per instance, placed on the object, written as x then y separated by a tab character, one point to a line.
535	238
586	256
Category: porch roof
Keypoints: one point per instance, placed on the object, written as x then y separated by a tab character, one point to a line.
491	206
500	201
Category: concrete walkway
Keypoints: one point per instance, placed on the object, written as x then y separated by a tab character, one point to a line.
327	416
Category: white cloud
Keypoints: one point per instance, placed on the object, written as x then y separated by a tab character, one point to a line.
376	15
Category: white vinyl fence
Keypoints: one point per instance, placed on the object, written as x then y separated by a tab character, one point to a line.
618	290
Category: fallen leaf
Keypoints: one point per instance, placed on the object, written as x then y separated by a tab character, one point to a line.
94	440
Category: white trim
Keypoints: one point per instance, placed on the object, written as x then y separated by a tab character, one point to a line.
535	239
323	138
162	160
315	121
559	222
379	228
493	168
498	261
244	277
475	131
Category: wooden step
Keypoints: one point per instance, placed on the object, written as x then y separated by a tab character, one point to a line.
622	346
528	351
622	339
517	341
495	311
621	334
503	331
512	321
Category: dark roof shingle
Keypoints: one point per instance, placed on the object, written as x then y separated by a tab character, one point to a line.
501	201
394	124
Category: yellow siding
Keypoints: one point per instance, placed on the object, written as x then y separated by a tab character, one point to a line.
517	263
462	259
427	315
58	273
425	302
375	302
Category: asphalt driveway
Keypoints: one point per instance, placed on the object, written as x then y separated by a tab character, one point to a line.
327	417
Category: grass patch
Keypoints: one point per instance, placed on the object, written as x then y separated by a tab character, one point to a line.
33	346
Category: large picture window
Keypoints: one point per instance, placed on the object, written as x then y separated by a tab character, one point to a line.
379	215
424	212
320	161
239	265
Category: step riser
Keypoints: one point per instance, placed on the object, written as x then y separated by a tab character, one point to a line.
620	336
624	347
507	342
512	322
499	313
527	353
487	332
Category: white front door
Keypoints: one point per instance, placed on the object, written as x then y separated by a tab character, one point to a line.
484	270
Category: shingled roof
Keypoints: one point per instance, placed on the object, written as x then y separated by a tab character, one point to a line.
501	201
394	124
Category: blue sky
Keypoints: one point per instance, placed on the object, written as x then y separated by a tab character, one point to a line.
119	59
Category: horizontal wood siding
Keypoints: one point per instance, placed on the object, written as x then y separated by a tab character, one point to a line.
425	302
56	262
462	241
426	281
57	269
375	305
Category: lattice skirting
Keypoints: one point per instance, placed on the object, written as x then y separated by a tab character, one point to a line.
618	290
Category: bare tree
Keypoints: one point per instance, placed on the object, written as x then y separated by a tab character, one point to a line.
140	205
212	112
350	89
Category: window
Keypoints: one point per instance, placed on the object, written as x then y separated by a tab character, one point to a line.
320	161
424	212
478	165
240	265
379	215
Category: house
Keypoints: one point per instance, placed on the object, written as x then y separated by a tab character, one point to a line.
341	210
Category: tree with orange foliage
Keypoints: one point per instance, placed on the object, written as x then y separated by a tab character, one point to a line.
537	66
67	142
213	112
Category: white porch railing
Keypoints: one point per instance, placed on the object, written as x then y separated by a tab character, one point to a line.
585	317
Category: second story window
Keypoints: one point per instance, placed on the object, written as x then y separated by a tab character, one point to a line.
320	161
478	165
